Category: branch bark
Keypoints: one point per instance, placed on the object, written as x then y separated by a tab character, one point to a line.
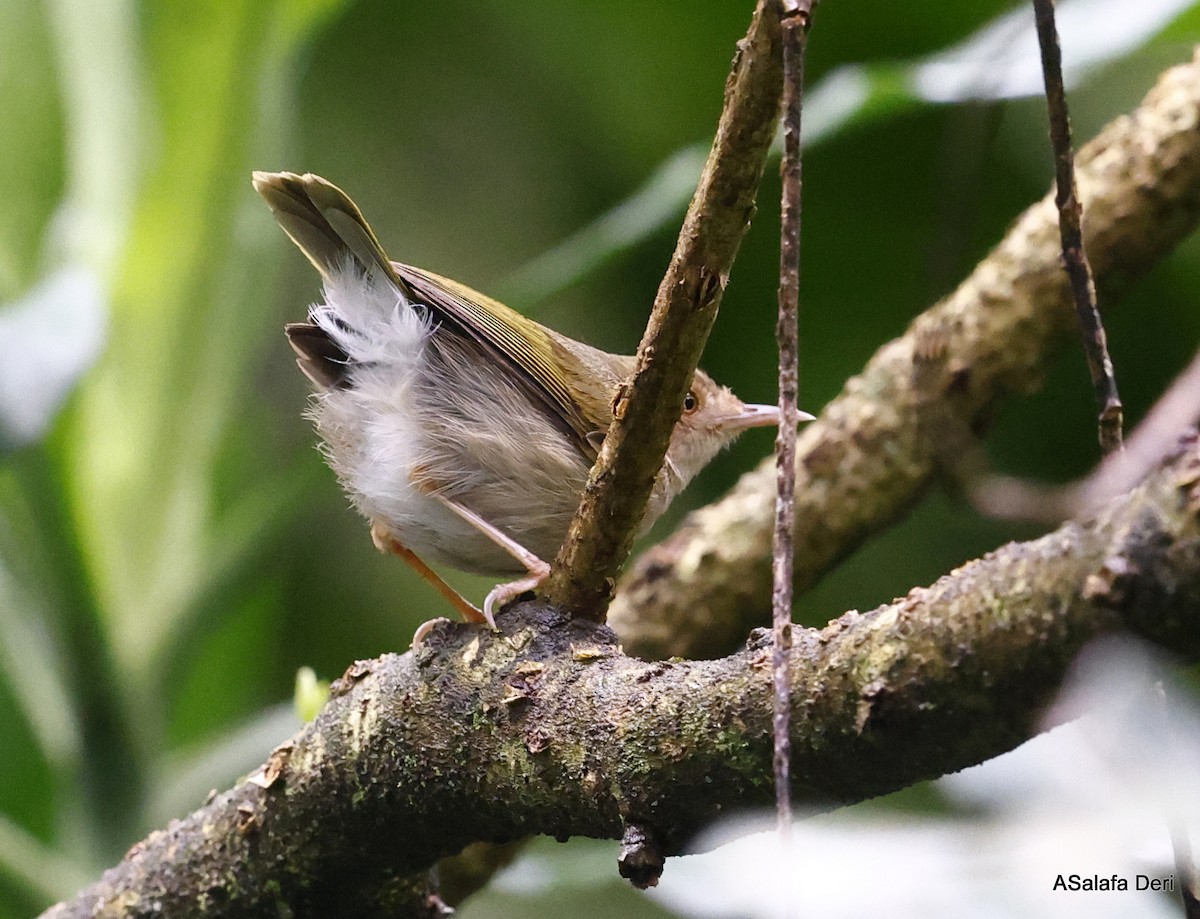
871	454
647	408
550	729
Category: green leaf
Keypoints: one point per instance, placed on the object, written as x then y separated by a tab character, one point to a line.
33	667
310	694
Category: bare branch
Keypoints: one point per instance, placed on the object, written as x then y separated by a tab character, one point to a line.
1070	217
614	501
796	20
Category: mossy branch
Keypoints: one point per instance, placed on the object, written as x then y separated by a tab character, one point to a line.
549	728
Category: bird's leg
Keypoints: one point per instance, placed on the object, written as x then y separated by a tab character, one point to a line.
501	594
386	542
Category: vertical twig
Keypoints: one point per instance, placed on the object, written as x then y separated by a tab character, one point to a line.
795	23
1083	286
646	407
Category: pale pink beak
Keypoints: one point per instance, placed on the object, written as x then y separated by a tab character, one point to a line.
760	416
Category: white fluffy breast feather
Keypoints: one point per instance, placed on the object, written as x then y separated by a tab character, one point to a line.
396	431
373	438
371	320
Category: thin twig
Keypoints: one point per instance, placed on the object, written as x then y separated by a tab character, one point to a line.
1075	260
647	407
795	23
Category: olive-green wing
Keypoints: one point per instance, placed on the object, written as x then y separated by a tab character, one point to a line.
526	346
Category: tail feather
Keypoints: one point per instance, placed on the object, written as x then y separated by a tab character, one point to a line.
323	221
318	356
332	232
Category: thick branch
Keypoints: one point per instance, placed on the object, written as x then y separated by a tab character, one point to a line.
548	728
614	501
870	455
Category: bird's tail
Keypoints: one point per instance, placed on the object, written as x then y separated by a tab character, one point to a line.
323	221
331	231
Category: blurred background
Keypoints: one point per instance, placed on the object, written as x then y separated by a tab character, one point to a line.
172	548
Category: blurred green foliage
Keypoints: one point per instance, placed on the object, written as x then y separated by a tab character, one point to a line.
172	550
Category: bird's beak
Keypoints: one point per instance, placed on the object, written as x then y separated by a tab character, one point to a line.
761	416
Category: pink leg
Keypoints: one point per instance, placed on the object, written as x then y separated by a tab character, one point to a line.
501	594
386	542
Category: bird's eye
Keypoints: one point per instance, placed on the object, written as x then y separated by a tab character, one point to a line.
690	403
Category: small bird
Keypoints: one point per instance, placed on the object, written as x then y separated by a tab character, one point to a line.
462	430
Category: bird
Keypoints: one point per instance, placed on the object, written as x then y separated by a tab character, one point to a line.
462	430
